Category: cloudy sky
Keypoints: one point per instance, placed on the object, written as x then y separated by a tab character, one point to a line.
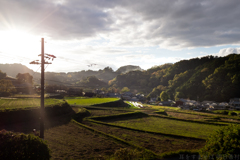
117	32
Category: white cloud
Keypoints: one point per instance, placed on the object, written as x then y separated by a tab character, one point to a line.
227	51
169	24
103	31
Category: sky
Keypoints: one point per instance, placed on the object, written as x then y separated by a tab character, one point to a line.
115	33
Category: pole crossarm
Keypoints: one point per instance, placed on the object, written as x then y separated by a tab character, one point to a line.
34	62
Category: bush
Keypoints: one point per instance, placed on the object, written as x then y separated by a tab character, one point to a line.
130	154
22	147
224	142
222	112
81	114
161	112
232	114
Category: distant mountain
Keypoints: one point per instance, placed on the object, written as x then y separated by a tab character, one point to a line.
13	69
69	78
128	68
205	78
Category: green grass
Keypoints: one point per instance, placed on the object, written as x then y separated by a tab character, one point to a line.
20	103
169	126
89	101
157	143
163	107
76	141
26	95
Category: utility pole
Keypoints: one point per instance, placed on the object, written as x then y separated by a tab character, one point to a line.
42	110
42	115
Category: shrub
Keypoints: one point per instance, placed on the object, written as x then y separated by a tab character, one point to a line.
22	146
222	112
224	142
130	154
81	114
232	114
161	112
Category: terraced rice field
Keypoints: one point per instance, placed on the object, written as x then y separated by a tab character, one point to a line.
89	101
169	126
25	103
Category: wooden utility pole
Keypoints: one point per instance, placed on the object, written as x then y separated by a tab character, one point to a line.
42	110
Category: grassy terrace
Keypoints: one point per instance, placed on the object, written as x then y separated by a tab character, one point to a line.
163	107
21	103
169	126
105	112
156	143
120	127
88	101
71	141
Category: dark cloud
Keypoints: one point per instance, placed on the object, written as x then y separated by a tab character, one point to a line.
71	20
172	23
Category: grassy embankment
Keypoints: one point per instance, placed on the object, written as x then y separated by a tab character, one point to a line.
119	127
26	103
22	115
88	101
174	125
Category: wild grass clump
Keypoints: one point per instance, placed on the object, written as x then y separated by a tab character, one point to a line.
223	112
162	112
22	146
82	113
224	142
232	114
131	154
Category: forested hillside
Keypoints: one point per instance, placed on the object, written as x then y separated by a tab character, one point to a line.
206	78
70	78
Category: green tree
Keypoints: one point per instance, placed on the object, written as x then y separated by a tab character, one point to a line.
6	87
104	89
224	142
2	75
24	78
125	89
164	96
178	95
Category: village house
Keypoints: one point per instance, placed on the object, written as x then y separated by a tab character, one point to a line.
113	95
235	103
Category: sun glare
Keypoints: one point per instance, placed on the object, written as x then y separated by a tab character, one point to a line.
15	42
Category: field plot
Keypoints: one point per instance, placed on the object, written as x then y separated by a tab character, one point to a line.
104	112
89	101
210	117
169	126
156	143
163	107
185	116
74	142
25	103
